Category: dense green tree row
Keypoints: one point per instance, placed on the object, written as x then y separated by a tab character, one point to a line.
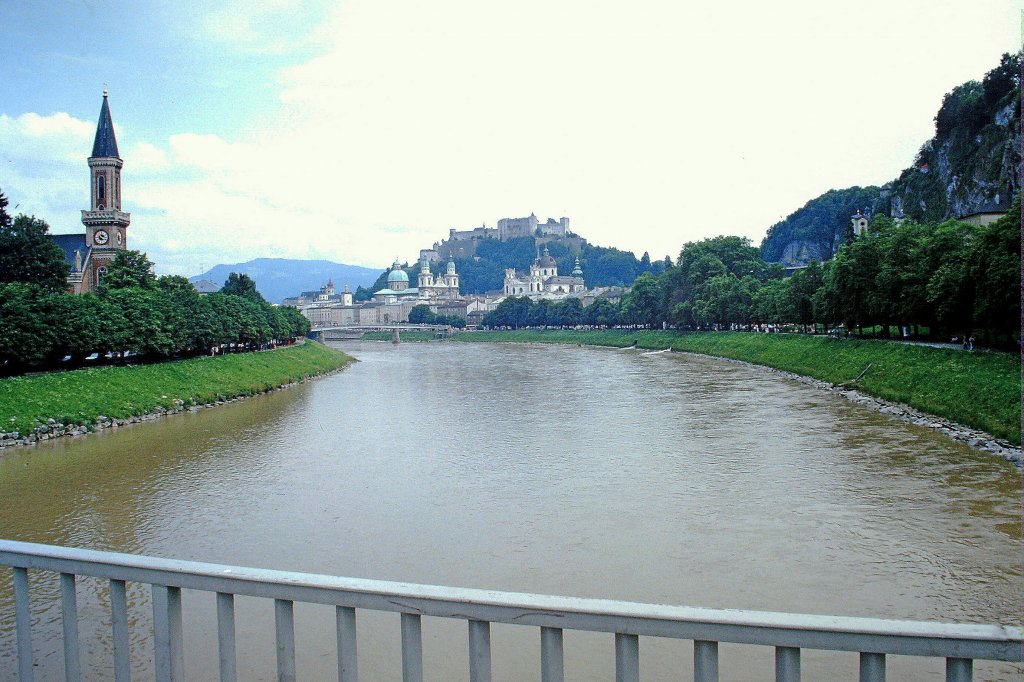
133	314
516	312
951	279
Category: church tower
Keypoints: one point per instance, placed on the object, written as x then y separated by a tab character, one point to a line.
105	223
451	279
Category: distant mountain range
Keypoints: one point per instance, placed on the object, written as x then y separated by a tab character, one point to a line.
279	278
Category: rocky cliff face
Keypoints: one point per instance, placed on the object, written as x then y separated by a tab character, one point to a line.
968	171
972	164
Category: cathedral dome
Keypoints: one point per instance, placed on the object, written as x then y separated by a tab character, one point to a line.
546	261
398	276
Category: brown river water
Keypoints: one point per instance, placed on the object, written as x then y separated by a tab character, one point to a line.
559	470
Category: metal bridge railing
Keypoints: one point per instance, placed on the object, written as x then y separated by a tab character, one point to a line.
959	644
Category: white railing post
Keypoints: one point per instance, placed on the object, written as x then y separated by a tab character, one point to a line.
119	628
23	625
226	637
787	664
959	670
348	666
479	651
627	658
284	623
168	652
872	667
552	660
69	623
412	648
705	661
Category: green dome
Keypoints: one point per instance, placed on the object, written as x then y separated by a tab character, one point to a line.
398	276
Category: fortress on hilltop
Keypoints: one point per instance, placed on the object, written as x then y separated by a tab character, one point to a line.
464	243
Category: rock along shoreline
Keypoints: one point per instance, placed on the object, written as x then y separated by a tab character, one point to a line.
53	429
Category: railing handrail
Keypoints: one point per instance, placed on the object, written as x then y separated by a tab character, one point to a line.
841	633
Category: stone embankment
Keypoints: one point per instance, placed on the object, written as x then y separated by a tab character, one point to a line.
53	429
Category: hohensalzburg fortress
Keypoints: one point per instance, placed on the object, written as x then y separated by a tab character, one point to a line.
464	243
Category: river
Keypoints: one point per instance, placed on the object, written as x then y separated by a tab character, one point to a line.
549	469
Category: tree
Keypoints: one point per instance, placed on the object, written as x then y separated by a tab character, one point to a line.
772	303
129	270
601	313
298	323
241	285
538	315
950	288
512	312
571	312
144	330
5	217
800	293
421	314
641	304
27	333
28	255
995	269
175	283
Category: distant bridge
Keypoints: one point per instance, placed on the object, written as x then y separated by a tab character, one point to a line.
355	331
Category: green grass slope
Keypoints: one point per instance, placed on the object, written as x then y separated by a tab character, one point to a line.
79	396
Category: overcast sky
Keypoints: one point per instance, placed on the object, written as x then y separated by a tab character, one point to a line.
362	130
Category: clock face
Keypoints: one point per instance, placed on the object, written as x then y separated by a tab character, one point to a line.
101	237
120	239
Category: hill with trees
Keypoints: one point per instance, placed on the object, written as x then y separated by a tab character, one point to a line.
971	164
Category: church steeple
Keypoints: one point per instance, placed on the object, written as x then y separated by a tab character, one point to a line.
106	224
105	144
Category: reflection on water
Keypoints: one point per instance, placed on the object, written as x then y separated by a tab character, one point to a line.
588	472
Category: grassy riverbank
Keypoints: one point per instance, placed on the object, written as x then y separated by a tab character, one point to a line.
80	396
981	390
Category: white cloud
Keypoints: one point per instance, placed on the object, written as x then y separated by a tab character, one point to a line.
648	126
144	156
55	126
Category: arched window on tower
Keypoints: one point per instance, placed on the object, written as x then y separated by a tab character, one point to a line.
117	191
101	190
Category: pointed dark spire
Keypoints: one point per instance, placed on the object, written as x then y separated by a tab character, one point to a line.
105	144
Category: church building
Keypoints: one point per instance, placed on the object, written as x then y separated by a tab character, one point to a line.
544	280
106	226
